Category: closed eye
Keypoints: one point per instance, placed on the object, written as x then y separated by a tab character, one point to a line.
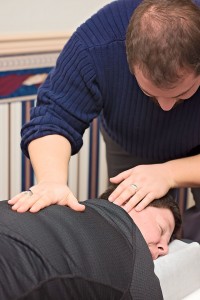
161	230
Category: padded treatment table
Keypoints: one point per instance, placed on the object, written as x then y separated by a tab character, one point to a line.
179	271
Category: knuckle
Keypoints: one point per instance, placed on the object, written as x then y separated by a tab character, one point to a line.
41	202
121	186
120	200
137	197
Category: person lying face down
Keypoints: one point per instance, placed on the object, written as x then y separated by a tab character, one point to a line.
98	254
158	222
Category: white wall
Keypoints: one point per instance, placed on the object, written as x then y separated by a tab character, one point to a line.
44	16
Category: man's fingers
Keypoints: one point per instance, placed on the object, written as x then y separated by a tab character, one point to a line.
138	202
43	195
123	192
117	192
133	201
124	195
41	203
72	202
148	199
121	176
16	198
24	203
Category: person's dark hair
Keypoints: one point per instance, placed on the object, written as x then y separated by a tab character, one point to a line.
166	201
163	40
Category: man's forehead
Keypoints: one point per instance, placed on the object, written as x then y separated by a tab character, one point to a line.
186	83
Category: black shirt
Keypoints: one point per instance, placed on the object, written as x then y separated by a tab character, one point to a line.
59	253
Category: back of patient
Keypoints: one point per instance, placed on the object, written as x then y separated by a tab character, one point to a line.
90	255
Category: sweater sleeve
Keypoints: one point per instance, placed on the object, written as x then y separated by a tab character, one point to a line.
68	100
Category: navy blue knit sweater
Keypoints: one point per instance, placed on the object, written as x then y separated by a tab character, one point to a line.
92	78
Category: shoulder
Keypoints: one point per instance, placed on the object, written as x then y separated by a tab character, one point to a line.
197	2
109	24
117	217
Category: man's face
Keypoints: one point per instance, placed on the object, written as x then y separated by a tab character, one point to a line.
168	98
156	225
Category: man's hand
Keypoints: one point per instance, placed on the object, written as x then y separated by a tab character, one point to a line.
50	157
143	184
43	195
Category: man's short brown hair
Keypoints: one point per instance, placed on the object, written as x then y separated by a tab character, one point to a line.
163	40
166	201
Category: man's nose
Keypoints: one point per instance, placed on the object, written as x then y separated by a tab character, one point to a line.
166	103
163	248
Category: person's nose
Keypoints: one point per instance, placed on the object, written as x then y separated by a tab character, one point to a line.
166	103
163	248
159	249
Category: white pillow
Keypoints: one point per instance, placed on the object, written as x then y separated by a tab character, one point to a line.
179	270
193	296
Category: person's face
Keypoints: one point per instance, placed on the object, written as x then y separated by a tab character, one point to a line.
168	98
156	225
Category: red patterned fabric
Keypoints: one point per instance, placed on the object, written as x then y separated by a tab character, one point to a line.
10	83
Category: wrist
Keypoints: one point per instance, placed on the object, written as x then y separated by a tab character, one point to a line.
51	177
170	174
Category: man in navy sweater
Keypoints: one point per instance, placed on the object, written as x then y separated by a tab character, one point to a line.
136	64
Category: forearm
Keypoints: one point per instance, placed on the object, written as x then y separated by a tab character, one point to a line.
185	172
50	157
